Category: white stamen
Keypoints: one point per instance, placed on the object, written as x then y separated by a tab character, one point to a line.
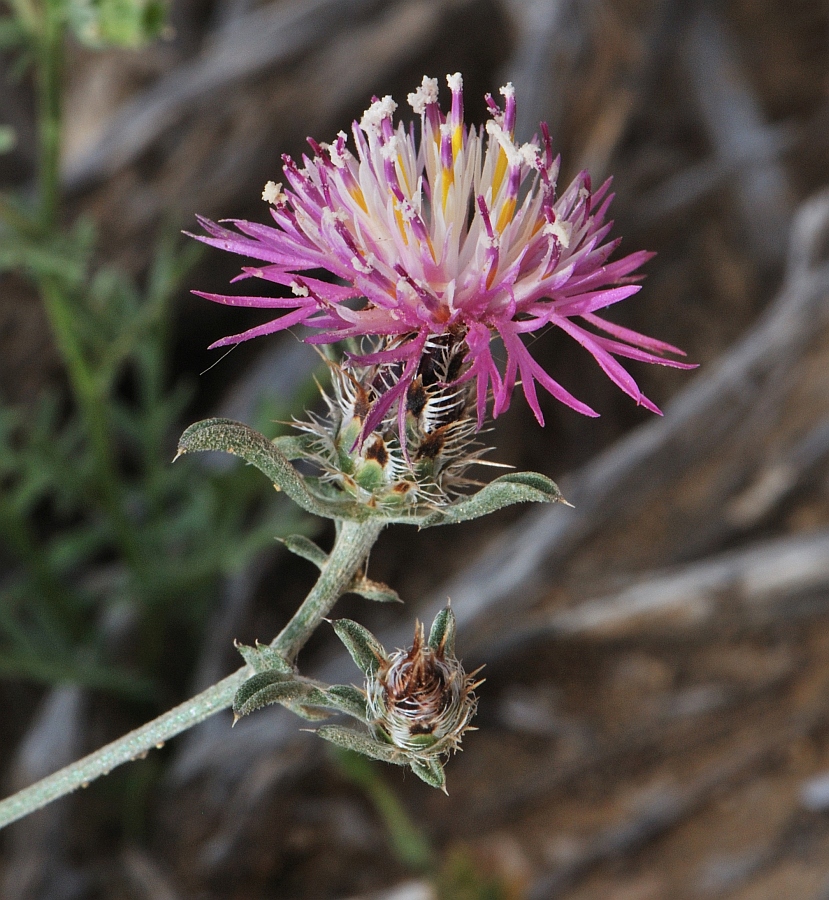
298	290
455	82
407	211
391	148
507	91
561	229
273	193
531	155
374	116
425	95
339	158
494	130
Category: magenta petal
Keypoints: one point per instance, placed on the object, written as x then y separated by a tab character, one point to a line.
631	337
530	370
279	324
614	370
261	302
375	217
636	353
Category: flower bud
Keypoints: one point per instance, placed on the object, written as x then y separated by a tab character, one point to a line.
421	700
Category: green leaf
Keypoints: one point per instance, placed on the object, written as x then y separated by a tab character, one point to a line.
263	689
118	23
517	487
228	436
374	590
338	698
8	138
294	446
359	742
442	633
263	658
365	587
430	771
348	699
366	651
12	33
306	548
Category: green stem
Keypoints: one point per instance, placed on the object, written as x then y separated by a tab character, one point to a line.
49	76
353	544
93	410
354	541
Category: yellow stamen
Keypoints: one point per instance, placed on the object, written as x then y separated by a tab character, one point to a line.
505	217
500	171
446	181
402	171
457	140
357	194
401	225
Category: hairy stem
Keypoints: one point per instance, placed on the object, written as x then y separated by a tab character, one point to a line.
353	544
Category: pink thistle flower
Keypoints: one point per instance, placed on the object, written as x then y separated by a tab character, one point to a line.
461	234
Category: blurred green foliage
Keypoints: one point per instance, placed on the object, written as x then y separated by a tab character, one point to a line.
96	525
454	874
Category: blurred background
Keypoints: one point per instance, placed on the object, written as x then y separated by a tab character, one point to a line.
655	721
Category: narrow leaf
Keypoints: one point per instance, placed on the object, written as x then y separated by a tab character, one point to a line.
430	771
366	651
228	436
263	658
374	590
442	633
517	487
350	700
250	695
360	742
306	548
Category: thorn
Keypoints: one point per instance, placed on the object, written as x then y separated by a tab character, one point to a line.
566	502
179	453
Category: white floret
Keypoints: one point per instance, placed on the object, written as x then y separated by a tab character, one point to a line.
424	96
374	116
338	158
272	193
561	230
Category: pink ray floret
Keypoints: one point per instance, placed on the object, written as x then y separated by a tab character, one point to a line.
462	232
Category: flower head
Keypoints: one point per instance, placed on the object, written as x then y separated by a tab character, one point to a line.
425	460
417	703
420	699
462	233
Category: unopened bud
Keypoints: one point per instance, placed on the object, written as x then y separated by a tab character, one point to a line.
421	699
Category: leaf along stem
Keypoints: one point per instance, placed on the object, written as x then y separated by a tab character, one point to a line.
353	544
